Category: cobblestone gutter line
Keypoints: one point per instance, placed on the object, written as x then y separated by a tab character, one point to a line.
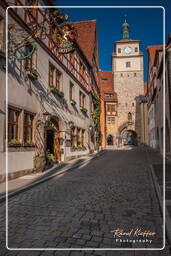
24	188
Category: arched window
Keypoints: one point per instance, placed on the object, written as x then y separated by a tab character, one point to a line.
129	116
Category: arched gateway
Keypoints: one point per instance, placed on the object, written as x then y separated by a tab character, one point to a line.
129	137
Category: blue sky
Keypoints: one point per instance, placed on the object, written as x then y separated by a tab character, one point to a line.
146	23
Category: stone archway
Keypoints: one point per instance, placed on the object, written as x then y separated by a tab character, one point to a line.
129	137
109	139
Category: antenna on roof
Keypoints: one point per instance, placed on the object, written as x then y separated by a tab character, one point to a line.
125	17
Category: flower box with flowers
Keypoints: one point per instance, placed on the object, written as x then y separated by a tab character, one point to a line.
84	110
32	74
14	143
29	144
73	102
73	149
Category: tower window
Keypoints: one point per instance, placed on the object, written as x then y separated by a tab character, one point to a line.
136	49
119	50
129	116
111	120
128	64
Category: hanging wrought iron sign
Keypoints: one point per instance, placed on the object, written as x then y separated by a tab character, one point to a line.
66	38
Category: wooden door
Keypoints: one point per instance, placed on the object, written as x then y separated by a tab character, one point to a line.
57	154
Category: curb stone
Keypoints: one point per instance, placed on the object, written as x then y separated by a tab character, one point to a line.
26	187
162	206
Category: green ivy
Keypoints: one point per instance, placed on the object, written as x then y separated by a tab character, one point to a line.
96	118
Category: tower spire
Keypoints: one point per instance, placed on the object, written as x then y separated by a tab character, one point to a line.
125	29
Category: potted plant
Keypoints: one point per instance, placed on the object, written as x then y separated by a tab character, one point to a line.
39	163
49	159
15	143
32	74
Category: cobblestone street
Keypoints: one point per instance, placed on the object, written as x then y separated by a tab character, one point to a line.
80	208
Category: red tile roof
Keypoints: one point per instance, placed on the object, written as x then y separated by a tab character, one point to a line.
87	38
106	84
152	51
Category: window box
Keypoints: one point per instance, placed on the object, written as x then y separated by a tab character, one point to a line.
29	144
56	91
83	109
73	102
32	74
14	143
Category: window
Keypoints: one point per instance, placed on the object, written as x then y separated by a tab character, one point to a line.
136	49
129	116
31	62
132	104
71	91
82	100
107	95
13	116
83	138
28	128
128	64
2	35
135	74
121	75
78	137
119	50
73	141
110	108
104	79
111	120
55	77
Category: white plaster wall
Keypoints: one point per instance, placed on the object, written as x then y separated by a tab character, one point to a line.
20	161
120	64
25	95
2	163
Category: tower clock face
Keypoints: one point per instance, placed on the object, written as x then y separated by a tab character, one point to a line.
127	50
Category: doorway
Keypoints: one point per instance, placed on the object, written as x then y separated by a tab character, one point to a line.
53	140
50	141
110	140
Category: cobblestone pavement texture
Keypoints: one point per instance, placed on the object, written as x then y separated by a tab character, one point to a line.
80	208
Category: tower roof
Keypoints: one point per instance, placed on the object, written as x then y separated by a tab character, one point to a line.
107	85
87	38
125	30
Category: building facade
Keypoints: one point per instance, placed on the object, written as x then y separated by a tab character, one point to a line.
168	96
155	101
49	93
127	68
108	108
